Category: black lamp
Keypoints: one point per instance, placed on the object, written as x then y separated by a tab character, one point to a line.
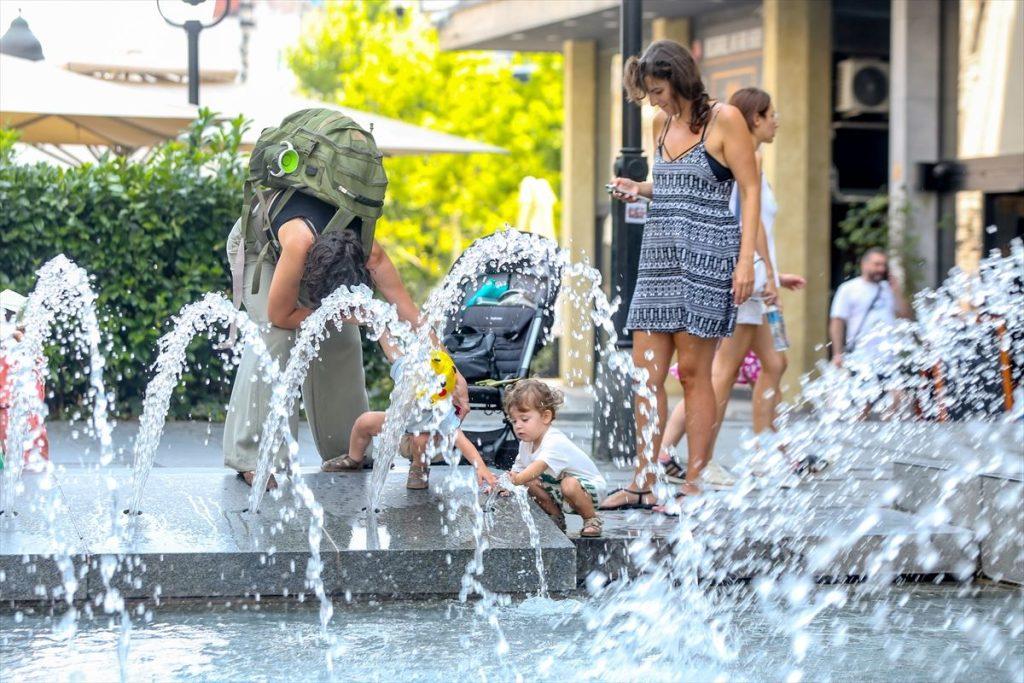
19	41
192	28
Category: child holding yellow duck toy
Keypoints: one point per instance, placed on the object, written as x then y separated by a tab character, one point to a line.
425	424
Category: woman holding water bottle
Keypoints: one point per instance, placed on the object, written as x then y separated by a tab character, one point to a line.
759	325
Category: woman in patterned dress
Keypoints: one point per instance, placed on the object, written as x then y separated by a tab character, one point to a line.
696	262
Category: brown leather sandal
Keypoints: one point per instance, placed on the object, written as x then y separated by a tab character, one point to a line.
343	463
592	527
419	477
249	476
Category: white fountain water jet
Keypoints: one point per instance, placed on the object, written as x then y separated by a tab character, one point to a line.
339	307
724	536
62	292
199	317
523	503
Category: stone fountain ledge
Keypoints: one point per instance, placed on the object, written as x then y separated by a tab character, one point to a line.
195	539
991	505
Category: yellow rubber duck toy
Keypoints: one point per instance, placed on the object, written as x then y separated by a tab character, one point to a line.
443	366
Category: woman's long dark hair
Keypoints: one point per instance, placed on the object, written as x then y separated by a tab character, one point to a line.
336	258
669	61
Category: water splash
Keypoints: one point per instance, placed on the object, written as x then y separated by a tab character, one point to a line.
754	529
522	500
62	293
196	318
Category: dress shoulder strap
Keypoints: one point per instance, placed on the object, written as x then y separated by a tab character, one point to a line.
664	133
714	115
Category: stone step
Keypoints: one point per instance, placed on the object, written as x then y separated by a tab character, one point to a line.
990	504
828	544
195	538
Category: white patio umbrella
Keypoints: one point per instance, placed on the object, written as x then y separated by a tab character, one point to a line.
394	137
537	207
50	105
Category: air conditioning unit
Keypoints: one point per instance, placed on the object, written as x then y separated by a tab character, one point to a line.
862	86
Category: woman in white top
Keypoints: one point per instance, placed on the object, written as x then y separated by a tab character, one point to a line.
752	332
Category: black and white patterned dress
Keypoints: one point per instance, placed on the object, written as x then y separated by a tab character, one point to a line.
690	247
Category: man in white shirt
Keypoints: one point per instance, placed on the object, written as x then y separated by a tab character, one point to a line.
865	308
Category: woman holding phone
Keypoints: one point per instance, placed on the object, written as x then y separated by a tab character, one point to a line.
752	333
696	259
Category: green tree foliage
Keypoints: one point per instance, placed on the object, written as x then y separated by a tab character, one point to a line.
866	225
151	233
366	56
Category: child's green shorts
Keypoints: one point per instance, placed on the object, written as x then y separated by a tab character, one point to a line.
554	488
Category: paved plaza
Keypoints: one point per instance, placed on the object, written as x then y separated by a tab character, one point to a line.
196	537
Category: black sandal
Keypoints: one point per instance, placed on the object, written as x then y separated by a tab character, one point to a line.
638	505
674	471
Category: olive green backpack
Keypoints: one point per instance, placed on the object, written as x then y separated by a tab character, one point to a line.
320	152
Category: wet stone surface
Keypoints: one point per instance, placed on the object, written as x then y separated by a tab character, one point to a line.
195	537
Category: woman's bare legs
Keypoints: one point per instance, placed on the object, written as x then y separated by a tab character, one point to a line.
659	347
674	429
695	358
768	388
728	360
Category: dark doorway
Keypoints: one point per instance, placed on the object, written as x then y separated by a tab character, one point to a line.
1004	221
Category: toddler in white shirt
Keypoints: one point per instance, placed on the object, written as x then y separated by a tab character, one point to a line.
557	473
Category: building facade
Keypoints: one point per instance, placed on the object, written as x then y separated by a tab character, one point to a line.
917	99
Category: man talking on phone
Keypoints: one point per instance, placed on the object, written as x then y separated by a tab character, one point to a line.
864	308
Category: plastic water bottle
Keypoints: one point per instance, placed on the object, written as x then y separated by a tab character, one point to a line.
778	328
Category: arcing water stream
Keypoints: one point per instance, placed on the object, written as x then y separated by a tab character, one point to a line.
678	615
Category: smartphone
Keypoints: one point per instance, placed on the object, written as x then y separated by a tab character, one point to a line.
609	188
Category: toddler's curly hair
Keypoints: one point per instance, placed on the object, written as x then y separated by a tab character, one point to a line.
532	394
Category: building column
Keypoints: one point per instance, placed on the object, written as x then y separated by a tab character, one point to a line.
579	149
797	73
674	28
915	109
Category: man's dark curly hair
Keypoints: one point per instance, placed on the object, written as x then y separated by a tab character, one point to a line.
335	259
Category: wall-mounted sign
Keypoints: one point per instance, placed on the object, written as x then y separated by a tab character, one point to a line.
729	54
732	43
636	213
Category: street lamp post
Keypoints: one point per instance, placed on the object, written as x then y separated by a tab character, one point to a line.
192	29
614	425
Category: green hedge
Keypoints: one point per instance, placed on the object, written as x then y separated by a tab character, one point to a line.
152	235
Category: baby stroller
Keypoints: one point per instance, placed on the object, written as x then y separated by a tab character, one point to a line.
503	317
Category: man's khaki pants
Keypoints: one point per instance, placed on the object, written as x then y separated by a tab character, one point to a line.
334	391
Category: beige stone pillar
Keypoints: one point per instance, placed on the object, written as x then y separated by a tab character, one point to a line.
797	73
675	28
579	149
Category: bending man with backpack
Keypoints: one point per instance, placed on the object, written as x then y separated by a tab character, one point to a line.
314	192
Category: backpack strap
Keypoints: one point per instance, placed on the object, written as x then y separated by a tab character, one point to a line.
366	235
262	203
285	197
852	339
